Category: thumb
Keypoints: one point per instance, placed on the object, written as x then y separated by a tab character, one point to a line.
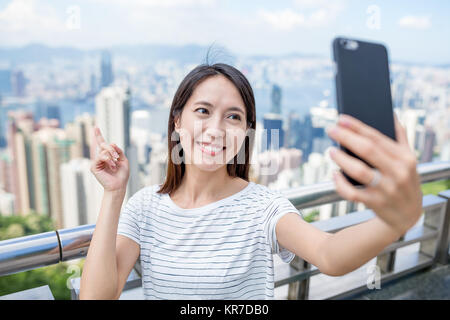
400	131
119	151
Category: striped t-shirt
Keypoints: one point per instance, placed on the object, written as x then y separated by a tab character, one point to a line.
222	250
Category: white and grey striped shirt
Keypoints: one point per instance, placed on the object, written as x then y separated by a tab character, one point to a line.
222	250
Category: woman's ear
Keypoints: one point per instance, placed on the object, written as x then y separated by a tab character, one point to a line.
177	124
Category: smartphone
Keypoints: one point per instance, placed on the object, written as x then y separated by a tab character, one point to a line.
363	86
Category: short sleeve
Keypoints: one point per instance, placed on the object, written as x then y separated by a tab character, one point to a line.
130	217
278	207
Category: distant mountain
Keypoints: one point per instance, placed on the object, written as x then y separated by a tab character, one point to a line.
38	53
43	53
151	52
145	52
191	53
292	55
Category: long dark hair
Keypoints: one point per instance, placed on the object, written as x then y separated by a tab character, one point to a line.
175	172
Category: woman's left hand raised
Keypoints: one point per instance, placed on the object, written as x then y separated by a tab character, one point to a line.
395	195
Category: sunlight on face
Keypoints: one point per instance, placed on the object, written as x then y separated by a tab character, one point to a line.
215	113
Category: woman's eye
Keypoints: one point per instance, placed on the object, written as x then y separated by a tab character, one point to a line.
201	109
238	117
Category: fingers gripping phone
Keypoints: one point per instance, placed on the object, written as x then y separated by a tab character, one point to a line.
363	86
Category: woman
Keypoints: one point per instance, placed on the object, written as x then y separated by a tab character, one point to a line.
209	233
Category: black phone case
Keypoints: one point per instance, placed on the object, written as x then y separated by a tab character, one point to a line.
363	87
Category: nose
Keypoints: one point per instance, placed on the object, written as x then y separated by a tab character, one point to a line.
214	134
214	130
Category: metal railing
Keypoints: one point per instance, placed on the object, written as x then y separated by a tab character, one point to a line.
31	252
430	233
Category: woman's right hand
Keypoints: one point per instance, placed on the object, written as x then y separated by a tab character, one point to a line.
109	165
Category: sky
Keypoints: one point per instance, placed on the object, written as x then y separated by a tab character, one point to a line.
413	30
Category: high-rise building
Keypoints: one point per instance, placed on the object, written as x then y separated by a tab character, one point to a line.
289	175
304	136
6	203
40	171
428	146
292	130
412	119
44	110
276	99
20	128
58	152
157	167
5	172
81	193
50	149
274	134
18	83
107	76
270	163
445	149
80	131
112	109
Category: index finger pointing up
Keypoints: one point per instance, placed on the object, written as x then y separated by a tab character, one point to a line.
96	140
98	136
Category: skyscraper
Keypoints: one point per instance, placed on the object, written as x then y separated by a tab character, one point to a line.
107	76
276	99
5	172
81	193
40	171
20	128
79	131
112	109
18	83
50	148
58	152
292	130
274	134
428	146
304	137
157	166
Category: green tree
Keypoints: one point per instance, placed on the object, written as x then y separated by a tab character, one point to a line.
55	276
312	216
435	187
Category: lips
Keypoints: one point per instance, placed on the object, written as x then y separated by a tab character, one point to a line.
211	149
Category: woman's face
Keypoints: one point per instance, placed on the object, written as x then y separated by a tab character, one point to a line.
213	124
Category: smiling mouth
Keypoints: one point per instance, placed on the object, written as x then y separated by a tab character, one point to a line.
211	150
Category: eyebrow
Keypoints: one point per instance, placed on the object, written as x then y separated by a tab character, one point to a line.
208	104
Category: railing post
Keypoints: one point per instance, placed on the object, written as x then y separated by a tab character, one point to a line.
386	261
444	241
299	290
433	218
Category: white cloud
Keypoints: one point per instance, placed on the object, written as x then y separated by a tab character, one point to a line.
306	14
415	22
20	15
283	20
315	3
159	3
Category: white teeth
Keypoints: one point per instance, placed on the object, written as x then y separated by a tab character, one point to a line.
212	149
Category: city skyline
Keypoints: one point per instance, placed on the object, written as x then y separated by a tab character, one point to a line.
118	83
